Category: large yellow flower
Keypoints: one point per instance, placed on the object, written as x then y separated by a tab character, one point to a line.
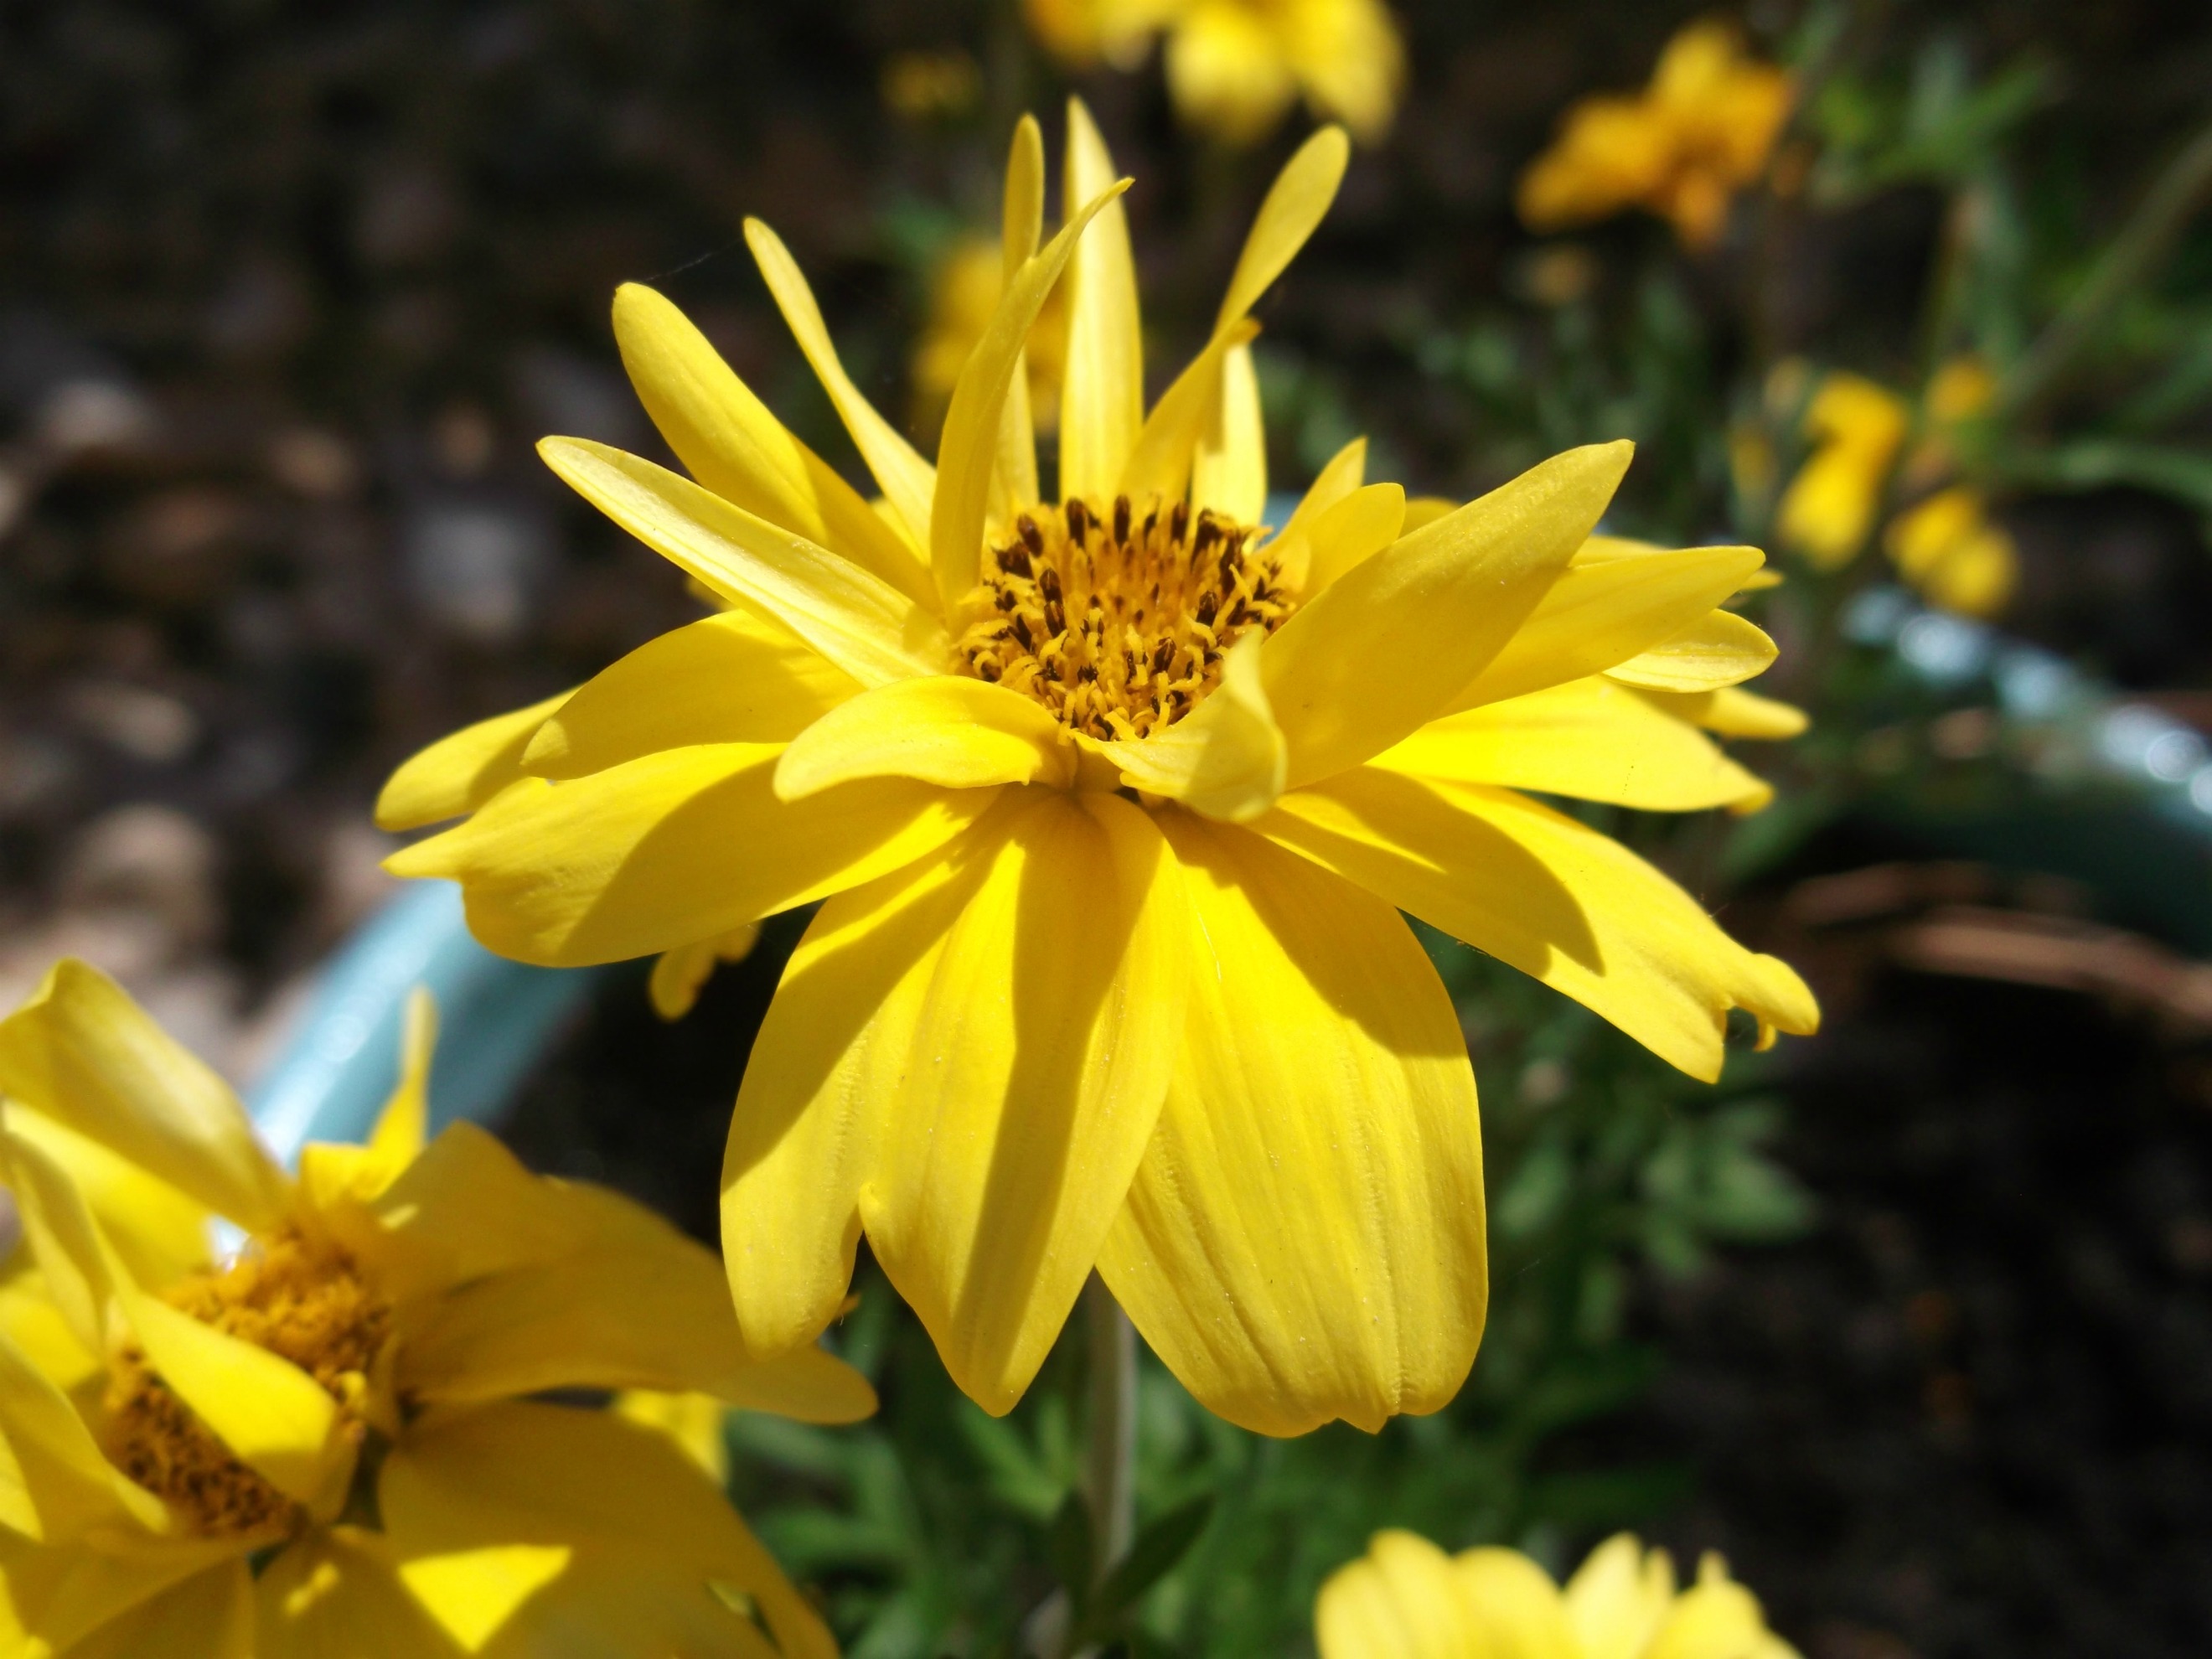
320	1446
1114	799
1682	148
1234	67
1406	1599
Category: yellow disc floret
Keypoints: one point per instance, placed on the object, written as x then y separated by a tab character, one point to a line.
1116	620
302	1300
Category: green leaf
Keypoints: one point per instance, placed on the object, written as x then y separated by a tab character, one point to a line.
1068	1545
1154	1554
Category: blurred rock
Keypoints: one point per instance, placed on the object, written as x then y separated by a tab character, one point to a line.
407	217
147	725
151	862
264	310
559	392
313	463
476	565
178	547
82	416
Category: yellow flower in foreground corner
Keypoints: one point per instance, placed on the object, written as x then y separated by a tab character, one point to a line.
1234	67
1114	799
1406	1599
1682	148
320	1446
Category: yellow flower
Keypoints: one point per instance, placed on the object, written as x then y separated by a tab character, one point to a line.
323	1445
1682	148
1114	799
1406	1599
1856	428
1948	550
1234	67
963	296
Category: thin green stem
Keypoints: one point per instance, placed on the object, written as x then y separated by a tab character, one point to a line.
1112	1471
2131	258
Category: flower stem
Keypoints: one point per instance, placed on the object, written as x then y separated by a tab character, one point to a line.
1113	1461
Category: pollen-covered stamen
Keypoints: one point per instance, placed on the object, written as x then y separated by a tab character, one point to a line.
302	1300
1116	618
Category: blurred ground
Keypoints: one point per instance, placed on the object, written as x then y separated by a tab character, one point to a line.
286	292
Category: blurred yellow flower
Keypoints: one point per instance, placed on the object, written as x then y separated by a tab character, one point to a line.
1406	1599
1682	148
323	1443
923	86
1945	545
1115	797
964	292
1234	67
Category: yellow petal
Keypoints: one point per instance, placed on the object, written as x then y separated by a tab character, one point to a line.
1102	396
1354	531
1160	461
1023	228
969	450
1619	1596
1400	1601
160	1234
459	773
330	1174
949	730
1716	1619
729	441
526	1530
55	1482
86	1055
1296	204
1590	740
29	1319
1226	759
208	1613
597	1292
908	481
858	620
1719	649
1228	469
1303	1240
1350	61
335	1594
1516	1604
676	846
1345	472
1731	711
735	678
1226	71
980	1073
1383	651
679	974
1551	897
1604	611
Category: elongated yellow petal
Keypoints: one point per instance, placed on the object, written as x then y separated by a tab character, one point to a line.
160	1233
1619	1596
1516	1604
1604	611
1590	740
908	481
1384	650
1036	1059
1346	472
1160	461
1023	227
735	677
1226	759
86	1055
1719	649
1400	1601
330	1174
207	1612
1297	203
526	1530
1732	712
676	846
962	733
1228	471
1551	897
55	1483
607	1295
459	773
1303	1240
1716	1619
729	441
1102	399
335	1594
858	620
969	451
680	973
1353	530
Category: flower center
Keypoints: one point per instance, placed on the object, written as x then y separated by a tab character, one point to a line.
1116	620
301	1300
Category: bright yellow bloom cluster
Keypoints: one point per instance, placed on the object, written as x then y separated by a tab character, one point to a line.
1406	1599
1945	543
1114	797
1682	148
323	1445
1234	67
